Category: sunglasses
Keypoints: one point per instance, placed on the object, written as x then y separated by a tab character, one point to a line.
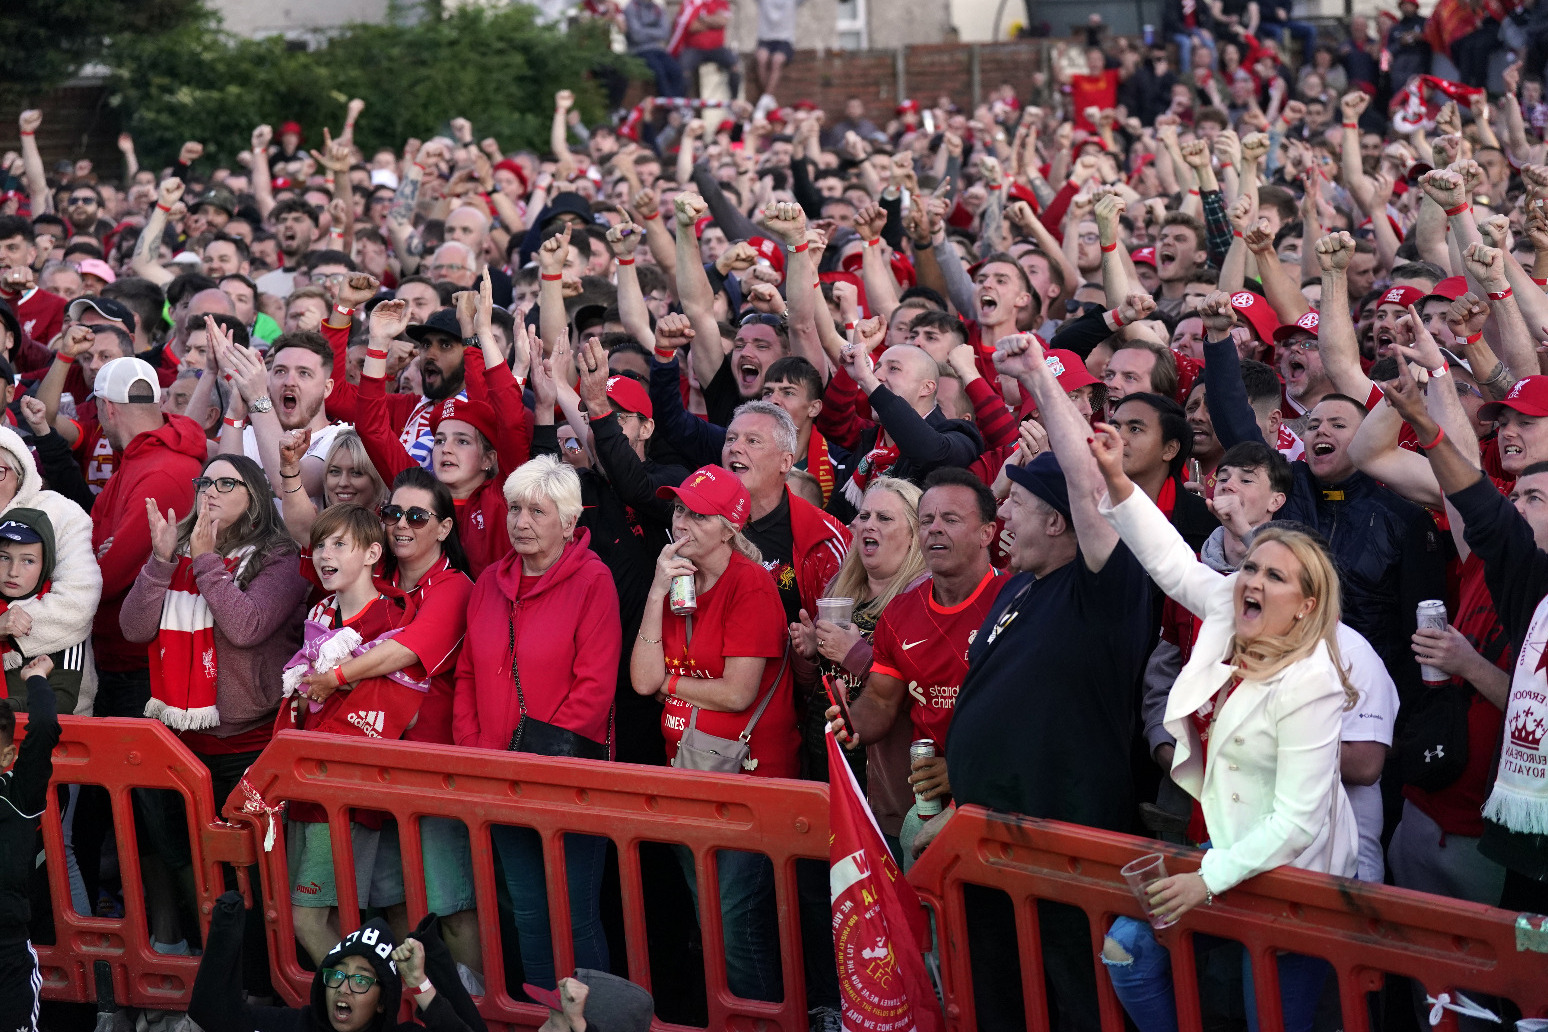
83	199
225	485
333	978
765	318
1464	389
416	516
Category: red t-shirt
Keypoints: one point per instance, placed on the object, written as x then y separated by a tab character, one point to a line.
924	644
741	615
435	636
41	314
95	454
1458	808
709	39
1099	91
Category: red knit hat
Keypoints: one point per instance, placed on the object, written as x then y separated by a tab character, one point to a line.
476	414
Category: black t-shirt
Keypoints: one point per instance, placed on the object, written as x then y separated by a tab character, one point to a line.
776	540
721	396
1044	719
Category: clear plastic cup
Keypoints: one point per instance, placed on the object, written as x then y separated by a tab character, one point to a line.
1140	875
836	610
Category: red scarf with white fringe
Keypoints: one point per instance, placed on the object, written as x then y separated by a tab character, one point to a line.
183	663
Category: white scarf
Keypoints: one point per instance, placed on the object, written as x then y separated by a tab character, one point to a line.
1519	800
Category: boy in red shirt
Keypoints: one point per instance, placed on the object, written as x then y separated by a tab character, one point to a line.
347	543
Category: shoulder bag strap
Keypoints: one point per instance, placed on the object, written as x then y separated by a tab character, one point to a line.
768	697
521	699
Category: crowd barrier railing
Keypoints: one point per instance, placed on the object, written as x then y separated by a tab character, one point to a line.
631	805
122	755
1363	930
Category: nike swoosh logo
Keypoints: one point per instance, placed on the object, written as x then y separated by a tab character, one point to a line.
910	644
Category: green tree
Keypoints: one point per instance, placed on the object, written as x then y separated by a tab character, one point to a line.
495	67
47	41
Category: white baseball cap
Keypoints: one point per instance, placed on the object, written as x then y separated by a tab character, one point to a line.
117	380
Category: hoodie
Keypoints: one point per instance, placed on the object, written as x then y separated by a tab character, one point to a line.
558	632
65	678
61	618
158	464
218	1005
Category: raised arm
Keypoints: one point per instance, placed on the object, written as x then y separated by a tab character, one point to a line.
1022	357
693	288
263	180
1283	294
32	162
146	248
1336	337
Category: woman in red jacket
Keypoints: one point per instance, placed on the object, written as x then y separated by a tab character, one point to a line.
471	443
724	668
543	642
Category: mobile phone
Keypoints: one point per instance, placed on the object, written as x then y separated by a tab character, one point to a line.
837	698
927	119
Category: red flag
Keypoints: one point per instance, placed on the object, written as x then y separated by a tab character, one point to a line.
686	15
878	922
1413	107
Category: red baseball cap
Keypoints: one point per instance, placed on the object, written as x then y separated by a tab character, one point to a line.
1070	369
1143	256
699	226
1307	323
1401	296
1258	313
907	106
629	395
1450	288
712	491
1528	396
772	252
514	168
477	414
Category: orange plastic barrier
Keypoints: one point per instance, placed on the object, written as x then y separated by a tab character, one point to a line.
122	755
1363	930
785	820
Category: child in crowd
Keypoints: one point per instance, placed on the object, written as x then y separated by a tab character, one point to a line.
27	557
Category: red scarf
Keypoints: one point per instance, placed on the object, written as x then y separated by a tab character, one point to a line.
183	663
875	463
686	16
820	464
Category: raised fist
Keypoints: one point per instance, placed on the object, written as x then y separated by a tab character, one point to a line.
674	330
1217	313
1444	187
786	218
1335	251
261	137
1354	104
170	192
564	100
689	208
29	120
191	152
1196	154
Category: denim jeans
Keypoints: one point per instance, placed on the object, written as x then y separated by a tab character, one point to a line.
725	57
1143	983
521	859
669	77
1185	42
1304	32
749	921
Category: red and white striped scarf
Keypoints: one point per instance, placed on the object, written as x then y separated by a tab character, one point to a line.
685	17
183	663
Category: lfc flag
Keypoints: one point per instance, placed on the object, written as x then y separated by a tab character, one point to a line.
878	924
1416	105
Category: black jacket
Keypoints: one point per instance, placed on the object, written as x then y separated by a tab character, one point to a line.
23	795
217	1003
924	444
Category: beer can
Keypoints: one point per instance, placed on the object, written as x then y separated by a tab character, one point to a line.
923	749
1431	615
682	596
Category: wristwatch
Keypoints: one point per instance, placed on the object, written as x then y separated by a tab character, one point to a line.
260	404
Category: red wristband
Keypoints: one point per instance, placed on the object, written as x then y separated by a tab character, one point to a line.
235	424
625	261
663	355
162	207
29	134
66	359
1193	193
1459	209
873	242
1472	339
348	313
1351	125
554	278
1440	435
1109	248
653	215
376	353
1500	295
1540	282
799	248
849	327
338	675
1117	317
671	686
996	186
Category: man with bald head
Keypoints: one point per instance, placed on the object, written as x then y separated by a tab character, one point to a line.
469	225
167	356
912	436
454	263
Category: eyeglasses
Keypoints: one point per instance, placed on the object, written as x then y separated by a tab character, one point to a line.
439	269
1302	345
416	516
335	279
225	485
5	471
83	199
1464	389
333	978
767	319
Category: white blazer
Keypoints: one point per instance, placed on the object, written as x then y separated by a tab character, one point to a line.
1271	789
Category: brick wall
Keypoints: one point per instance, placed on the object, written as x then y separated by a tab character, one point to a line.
928	71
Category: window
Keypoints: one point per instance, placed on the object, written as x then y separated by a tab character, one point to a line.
849	25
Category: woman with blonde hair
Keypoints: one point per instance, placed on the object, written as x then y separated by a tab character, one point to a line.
348	476
1257	712
884	561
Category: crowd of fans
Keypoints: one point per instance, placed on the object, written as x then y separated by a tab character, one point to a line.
1191	358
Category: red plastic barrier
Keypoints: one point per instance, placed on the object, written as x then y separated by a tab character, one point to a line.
786	820
1363	930
122	755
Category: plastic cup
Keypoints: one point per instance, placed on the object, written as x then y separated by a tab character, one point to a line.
836	610
1140	875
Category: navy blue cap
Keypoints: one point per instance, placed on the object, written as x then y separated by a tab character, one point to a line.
20	533
1044	478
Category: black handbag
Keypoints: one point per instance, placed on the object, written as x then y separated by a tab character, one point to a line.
1430	749
544	739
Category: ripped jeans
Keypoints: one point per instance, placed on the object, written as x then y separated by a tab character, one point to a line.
1143	982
